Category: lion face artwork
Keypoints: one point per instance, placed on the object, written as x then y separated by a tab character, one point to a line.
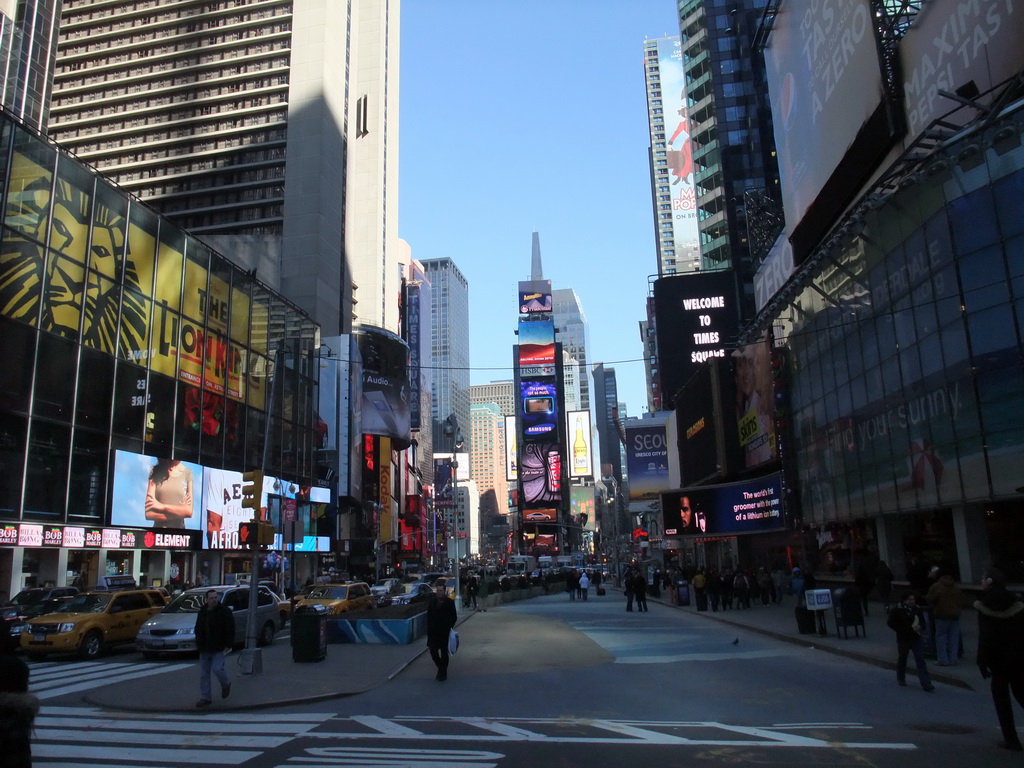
76	283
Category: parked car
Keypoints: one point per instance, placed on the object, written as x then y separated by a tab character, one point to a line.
11	627
339	598
90	622
418	592
33	595
383	590
173	630
283	603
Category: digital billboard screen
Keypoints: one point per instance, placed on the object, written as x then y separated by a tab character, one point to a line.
751	506
541	475
581	444
536	343
647	460
697	318
156	493
534	296
755	404
538	405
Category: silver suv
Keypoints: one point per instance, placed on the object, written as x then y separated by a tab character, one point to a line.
173	630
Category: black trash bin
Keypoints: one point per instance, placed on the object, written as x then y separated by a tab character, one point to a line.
309	633
849	611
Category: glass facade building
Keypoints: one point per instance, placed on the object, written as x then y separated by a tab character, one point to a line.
908	385
122	334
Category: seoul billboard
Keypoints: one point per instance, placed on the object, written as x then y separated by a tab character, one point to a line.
750	506
646	458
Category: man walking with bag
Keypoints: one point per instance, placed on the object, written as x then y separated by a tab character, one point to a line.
441	618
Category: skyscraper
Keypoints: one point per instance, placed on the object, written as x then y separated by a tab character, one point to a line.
571	329
28	46
449	345
268	129
671	156
734	165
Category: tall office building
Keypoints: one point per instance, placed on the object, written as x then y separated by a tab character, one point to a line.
449	346
671	158
501	393
487	461
268	129
28	47
735	170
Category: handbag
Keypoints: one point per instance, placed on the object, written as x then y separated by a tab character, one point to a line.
453	642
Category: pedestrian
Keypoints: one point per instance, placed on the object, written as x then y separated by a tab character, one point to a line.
627	585
441	618
725	589
778	584
1000	644
713	588
18	710
215	633
700	590
483	589
472	590
864	578
798	585
908	621
764	586
946	601
883	583
741	590
584	584
640	591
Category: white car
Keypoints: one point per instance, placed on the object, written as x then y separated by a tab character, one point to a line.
173	630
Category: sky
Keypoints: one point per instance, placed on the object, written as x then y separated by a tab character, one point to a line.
532	117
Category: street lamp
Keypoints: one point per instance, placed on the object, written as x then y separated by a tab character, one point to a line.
452	431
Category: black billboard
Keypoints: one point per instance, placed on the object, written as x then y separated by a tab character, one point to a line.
706	424
697	318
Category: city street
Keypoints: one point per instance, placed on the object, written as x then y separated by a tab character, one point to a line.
548	681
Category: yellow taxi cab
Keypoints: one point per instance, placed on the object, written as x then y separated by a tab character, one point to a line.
90	622
339	598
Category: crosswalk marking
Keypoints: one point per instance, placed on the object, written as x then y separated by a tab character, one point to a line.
77	736
67	736
49	680
396	758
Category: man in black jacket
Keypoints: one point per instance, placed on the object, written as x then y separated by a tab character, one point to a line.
908	621
441	618
1000	649
215	633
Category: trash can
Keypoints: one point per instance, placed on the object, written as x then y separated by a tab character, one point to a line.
683	590
848	612
806	623
309	633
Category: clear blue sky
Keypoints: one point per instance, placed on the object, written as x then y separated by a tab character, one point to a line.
532	116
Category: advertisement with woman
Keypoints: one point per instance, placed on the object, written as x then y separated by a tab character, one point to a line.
156	493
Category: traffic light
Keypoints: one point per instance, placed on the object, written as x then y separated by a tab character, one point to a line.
256	533
252	489
247	534
265	534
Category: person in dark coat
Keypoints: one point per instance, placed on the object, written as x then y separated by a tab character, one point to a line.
18	710
640	591
1000	649
215	633
441	618
908	621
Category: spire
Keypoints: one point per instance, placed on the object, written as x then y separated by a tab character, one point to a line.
536	270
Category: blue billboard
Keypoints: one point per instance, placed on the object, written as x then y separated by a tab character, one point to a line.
750	506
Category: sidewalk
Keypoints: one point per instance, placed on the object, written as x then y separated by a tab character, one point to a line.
875	645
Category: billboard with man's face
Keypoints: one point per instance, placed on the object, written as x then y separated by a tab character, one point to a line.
750	506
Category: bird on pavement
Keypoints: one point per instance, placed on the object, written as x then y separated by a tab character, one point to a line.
736	641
